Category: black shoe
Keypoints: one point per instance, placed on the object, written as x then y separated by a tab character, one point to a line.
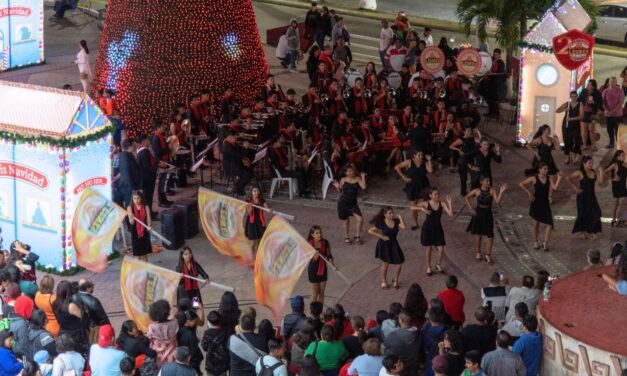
165	204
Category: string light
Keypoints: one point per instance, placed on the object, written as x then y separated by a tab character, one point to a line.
155	54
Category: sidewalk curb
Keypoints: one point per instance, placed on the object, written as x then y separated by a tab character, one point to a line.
423	21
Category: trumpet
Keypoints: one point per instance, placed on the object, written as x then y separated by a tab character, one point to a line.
346	93
250	146
442	93
324	98
392	92
367	93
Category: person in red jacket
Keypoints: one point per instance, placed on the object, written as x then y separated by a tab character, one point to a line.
453	301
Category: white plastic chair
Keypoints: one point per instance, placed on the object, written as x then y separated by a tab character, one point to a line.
327	180
278	179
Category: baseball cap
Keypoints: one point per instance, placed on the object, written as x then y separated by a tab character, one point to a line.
105	335
440	363
297	302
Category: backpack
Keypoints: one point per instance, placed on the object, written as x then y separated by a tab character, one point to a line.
268	371
217	359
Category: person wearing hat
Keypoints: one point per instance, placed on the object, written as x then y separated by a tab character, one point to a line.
19	325
42	358
9	365
439	364
292	321
104	359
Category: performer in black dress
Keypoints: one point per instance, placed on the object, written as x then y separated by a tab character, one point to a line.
255	220
618	173
571	127
540	207
140	236
466	147
482	222
483	161
187	266
543	145
588	219
432	234
416	179
317	271
347	204
386	227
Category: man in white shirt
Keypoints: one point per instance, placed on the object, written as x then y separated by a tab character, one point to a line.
427	37
526	294
385	40
272	361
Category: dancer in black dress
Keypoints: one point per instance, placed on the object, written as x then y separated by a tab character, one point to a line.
483	161
255	220
543	145
385	226
617	171
482	222
432	234
588	219
466	147
347	204
317	271
571	127
140	236
416	179
540	207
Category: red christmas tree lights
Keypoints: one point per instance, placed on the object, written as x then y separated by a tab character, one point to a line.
154	54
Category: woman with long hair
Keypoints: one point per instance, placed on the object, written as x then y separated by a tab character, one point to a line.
229	311
571	127
70	316
540	205
298	343
592	102
482	222
385	226
588	219
188	266
543	144
255	220
133	342
84	66
416	304
617	171
317	271
69	361
186	336
140	235
44	299
347	206
341	325
416	179
432	234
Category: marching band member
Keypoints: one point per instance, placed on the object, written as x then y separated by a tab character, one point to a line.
227	105
162	154
322	77
279	161
376	122
234	158
360	106
336	101
312	102
269	87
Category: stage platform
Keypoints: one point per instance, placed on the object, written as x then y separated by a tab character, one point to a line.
584	325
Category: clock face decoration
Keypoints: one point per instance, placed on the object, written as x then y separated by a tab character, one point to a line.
547	75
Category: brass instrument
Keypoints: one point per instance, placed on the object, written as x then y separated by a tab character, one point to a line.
250	146
346	93
367	93
443	93
324	98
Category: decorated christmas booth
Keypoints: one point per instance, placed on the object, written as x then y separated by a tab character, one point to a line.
53	145
21	33
556	58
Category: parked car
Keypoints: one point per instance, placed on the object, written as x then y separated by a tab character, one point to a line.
612	22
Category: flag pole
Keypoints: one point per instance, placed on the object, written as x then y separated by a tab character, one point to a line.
213	284
155	233
284	215
348	281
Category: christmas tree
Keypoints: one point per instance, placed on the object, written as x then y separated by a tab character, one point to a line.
155	53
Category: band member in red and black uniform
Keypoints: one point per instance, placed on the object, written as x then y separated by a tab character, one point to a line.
341	124
227	106
322	77
454	92
312	102
147	170
198	114
279	161
179	125
259	107
315	134
377	124
381	98
234	157
407	118
359	105
496	83
336	101
438	116
371	80
162	154
271	86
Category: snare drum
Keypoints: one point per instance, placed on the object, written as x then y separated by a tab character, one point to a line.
351	75
395	80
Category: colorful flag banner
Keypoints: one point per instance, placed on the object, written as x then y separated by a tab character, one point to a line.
222	219
96	220
282	256
143	284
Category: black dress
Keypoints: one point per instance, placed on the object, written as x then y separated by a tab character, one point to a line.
619	189
418	181
546	156
588	209
317	270
255	223
347	204
540	208
141	245
483	222
389	251
432	233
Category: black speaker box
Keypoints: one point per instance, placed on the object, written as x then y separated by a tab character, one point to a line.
190	216
172	228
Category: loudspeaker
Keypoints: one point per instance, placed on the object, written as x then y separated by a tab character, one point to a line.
190	216
172	228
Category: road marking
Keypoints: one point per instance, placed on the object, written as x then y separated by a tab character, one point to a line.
365	46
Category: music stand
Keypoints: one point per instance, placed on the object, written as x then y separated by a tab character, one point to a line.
199	162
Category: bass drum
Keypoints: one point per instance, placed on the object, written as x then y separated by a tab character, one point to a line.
486	64
394	80
351	75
